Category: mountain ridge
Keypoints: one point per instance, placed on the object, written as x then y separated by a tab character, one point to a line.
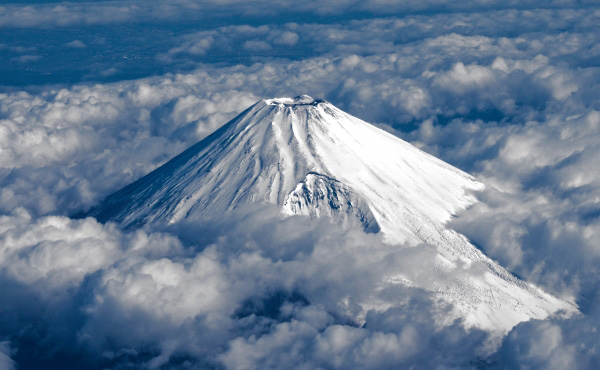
313	159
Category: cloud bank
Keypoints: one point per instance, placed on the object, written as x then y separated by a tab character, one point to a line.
503	90
251	291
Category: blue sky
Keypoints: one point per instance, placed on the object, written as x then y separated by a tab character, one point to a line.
93	95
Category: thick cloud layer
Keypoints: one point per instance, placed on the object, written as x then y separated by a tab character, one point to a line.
505	92
71	53
251	291
50	14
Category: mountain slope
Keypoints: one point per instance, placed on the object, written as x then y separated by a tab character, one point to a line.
263	154
318	195
313	159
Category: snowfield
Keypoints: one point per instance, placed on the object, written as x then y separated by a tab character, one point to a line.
313	159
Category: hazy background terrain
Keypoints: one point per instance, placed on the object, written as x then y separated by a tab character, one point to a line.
95	95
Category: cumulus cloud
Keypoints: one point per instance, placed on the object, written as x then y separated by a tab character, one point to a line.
26	58
384	36
540	209
76	44
553	344
77	14
5	352
49	140
248	287
539	213
180	44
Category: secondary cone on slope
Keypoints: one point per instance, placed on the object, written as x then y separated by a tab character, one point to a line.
313	159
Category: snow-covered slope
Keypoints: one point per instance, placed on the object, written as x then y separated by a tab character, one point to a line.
318	195
314	159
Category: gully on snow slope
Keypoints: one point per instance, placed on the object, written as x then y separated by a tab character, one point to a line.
313	159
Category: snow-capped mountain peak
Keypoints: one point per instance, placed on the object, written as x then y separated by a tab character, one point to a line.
290	102
313	159
265	152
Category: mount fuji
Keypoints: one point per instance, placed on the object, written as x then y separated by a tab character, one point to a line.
310	158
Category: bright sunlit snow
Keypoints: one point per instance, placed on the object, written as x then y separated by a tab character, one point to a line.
274	152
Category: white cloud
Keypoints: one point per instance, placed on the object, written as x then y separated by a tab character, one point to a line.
465	77
76	44
257	45
26	58
509	95
287	38
5	352
248	293
77	14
